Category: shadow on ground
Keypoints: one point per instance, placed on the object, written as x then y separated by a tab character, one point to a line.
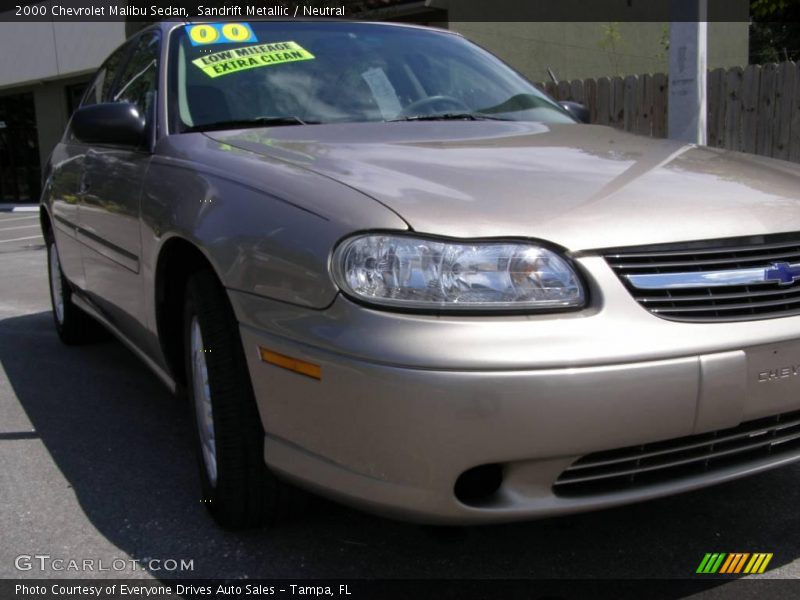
123	444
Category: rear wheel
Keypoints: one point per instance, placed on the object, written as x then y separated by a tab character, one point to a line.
72	324
238	489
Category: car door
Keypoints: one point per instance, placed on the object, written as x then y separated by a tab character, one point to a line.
66	172
111	187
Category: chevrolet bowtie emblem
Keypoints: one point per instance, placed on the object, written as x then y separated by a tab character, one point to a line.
782	273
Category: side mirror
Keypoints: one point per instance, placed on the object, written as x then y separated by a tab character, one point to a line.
577	110
116	123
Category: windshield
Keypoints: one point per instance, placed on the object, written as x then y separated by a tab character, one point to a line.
280	73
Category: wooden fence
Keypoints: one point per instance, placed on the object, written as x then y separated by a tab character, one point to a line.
755	109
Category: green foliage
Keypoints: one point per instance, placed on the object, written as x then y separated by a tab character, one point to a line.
764	9
663	41
611	41
774	31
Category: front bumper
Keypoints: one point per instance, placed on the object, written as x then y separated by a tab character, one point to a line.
406	404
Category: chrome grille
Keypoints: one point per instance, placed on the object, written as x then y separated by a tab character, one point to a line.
648	464
706	283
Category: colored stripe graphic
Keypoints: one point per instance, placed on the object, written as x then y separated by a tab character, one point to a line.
711	563
741	562
727	564
733	563
759	562
703	563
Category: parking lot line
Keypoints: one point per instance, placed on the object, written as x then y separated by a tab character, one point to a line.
30	237
2	220
19	227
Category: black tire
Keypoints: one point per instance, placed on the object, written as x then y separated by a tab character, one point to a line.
73	326
244	493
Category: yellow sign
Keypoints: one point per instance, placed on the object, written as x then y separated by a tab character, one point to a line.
236	32
220	33
250	57
203	34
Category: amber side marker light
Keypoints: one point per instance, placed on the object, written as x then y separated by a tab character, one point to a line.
292	364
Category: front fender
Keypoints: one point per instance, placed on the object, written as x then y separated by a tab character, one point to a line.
267	226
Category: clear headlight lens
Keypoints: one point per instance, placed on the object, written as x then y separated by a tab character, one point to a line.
406	271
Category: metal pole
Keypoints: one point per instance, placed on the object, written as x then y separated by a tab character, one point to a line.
688	38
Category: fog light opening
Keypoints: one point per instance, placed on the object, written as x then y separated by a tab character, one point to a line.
479	484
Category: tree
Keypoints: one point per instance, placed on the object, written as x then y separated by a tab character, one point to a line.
774	31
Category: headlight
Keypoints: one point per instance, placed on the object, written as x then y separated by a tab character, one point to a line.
419	273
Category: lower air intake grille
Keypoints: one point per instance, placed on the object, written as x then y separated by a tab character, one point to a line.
648	464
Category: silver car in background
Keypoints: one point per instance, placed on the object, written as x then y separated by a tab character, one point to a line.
384	267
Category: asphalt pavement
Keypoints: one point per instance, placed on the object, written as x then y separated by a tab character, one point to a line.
96	463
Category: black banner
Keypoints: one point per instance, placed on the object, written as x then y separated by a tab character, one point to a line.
431	11
418	589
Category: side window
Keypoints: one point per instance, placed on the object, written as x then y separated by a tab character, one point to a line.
139	79
100	90
93	96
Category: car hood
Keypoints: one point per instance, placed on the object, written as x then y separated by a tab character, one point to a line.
579	186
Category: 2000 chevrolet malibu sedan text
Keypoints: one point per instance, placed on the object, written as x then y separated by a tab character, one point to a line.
385	267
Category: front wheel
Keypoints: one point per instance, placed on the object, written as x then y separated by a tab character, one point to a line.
238	489
72	324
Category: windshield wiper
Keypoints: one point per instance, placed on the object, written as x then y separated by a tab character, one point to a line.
462	116
254	122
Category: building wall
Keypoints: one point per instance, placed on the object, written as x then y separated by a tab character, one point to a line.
34	52
45	58
582	50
